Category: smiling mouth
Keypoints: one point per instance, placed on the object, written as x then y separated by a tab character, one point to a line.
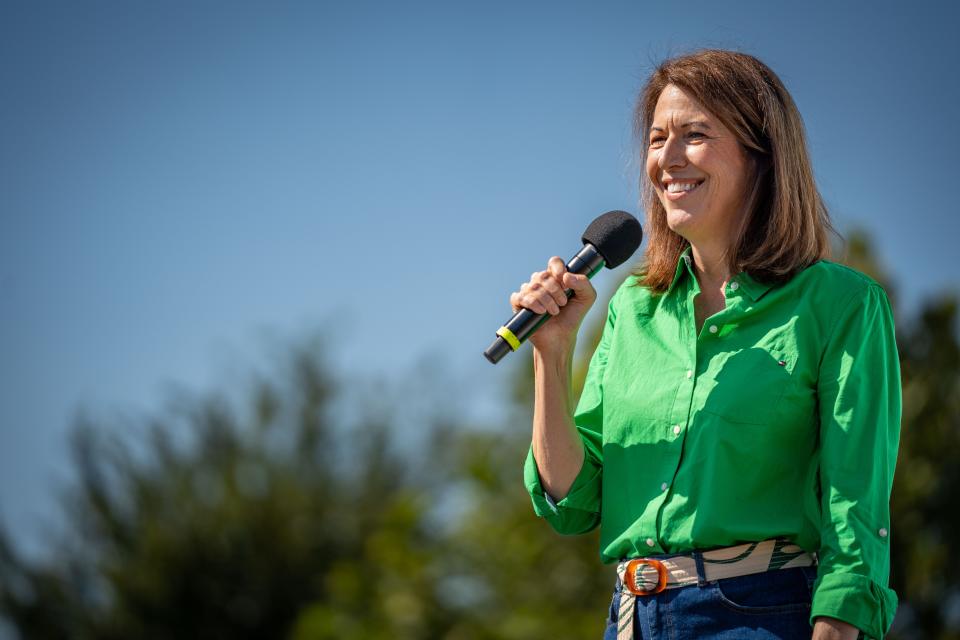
677	188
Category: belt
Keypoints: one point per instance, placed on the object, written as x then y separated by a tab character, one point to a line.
647	576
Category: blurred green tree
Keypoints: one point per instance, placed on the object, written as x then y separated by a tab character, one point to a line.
280	521
234	532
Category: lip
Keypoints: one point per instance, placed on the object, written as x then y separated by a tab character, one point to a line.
673	197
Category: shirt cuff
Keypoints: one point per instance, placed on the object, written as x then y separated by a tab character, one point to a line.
550	502
855	599
584	493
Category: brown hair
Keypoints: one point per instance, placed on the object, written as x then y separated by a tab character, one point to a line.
786	224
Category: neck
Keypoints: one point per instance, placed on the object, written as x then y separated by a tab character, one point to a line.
710	265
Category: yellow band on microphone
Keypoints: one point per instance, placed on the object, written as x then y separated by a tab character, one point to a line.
511	339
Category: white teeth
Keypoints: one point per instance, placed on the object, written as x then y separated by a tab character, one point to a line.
677	187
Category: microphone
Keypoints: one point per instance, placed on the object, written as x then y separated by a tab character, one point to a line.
609	241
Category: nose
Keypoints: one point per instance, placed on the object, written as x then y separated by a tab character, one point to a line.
672	153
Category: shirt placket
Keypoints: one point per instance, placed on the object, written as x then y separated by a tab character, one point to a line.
696	348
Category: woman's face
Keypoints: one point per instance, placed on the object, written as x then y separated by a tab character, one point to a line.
689	146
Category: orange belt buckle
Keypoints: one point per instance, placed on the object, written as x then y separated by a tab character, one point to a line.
631	574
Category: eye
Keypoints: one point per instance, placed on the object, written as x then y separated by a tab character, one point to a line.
660	139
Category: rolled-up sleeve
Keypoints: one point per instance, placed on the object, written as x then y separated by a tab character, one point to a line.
579	511
860	406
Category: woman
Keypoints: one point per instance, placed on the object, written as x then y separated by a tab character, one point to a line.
737	432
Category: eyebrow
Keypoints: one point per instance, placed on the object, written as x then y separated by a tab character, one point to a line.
700	123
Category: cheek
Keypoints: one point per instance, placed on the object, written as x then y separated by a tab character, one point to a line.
730	186
651	169
732	173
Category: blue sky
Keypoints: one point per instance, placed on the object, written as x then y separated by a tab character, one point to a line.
180	181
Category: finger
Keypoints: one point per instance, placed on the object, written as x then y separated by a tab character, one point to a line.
556	267
554	287
580	283
526	298
529	298
530	301
550	305
543	293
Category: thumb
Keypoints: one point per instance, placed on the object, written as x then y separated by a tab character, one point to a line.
580	284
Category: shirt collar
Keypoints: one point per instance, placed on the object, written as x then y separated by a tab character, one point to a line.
684	264
754	288
751	286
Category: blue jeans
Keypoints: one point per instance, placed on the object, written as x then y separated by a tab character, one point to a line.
772	605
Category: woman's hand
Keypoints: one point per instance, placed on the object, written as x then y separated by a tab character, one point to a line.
544	293
825	628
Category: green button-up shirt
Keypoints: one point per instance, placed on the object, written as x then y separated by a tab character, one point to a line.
780	418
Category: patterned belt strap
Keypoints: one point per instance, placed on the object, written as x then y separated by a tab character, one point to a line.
646	576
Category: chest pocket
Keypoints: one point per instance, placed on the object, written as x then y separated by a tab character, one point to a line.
747	386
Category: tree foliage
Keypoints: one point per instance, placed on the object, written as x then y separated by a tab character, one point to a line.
269	521
275	519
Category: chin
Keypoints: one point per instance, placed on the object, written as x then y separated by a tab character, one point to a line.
681	222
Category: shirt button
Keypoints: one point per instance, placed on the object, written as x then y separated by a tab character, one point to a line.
713	328
676	429
734	286
663	487
649	542
883	533
689	374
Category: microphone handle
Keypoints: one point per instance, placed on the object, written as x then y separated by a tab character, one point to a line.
524	322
